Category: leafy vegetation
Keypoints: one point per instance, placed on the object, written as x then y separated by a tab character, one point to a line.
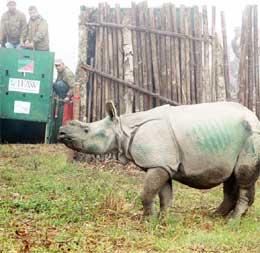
50	205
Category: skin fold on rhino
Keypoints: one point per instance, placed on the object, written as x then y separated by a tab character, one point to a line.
201	146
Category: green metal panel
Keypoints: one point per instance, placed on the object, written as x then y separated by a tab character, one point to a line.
26	93
37	102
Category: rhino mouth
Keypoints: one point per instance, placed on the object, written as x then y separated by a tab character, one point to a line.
64	137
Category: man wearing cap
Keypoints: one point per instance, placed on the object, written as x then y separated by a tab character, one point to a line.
64	75
37	33
12	27
64	88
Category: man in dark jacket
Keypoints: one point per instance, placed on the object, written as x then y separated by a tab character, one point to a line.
12	27
37	32
66	76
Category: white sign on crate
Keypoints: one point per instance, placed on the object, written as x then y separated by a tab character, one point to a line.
22	107
23	85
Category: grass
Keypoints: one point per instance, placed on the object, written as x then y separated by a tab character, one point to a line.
50	205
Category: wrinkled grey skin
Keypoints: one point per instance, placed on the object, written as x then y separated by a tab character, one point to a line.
201	146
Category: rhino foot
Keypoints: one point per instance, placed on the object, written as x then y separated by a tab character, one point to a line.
225	208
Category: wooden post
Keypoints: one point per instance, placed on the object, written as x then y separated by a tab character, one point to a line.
250	60
128	65
226	61
120	60
213	79
206	75
154	49
243	63
142	16
90	93
197	56
256	60
187	56
162	54
149	58
192	60
169	66
182	58
140	98
176	55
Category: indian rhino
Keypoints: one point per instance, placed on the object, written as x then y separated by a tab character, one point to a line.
201	146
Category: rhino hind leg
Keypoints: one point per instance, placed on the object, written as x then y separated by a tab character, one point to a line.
165	196
230	190
246	174
155	181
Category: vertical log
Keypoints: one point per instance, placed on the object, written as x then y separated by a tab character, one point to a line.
81	75
173	67
162	54
140	97
128	64
154	56
111	94
250	61
200	51
95	83
192	62
142	11
90	94
120	60
256	60
104	63
76	102
182	57
187	56
242	61
206	75
149	58
197	56
226	61
135	57
176	55
214	87
169	66
115	60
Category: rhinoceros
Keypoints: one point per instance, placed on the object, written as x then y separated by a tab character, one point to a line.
201	146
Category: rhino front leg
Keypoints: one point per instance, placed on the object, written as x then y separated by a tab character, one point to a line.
230	189
165	196
155	179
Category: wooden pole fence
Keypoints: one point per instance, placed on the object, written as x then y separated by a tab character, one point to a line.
128	84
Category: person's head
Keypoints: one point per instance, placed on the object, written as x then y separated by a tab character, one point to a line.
59	64
11	5
33	12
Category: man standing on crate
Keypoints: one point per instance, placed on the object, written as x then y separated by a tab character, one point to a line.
37	33
12	27
64	88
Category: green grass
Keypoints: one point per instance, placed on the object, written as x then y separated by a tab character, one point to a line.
50	205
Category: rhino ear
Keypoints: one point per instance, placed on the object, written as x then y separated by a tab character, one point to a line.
111	110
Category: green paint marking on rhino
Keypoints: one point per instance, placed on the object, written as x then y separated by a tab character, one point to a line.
101	135
93	148
217	137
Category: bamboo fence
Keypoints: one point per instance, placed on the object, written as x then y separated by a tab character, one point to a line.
248	77
143	57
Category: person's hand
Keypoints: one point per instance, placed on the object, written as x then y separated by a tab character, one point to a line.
28	44
66	99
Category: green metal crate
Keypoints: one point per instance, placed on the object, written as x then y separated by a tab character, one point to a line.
26	93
